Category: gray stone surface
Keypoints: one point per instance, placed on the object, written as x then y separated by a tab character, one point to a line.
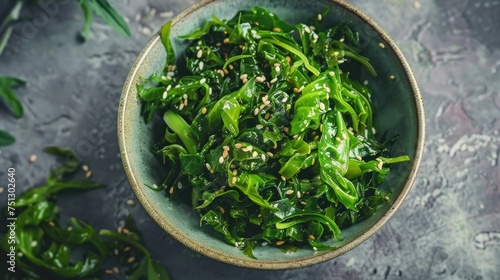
449	227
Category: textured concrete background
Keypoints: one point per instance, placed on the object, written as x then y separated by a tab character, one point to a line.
449	227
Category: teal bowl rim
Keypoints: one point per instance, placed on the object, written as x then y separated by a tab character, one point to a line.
138	188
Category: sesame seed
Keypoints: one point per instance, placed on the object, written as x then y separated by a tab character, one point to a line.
32	158
265	98
34	243
259	126
253	32
417	5
179	185
331	73
250	148
295	90
130	202
85	168
185	96
260	79
108	271
164	96
288	58
212	171
321	127
221	160
116	270
116	252
170	191
238	145
199	54
234	180
303	202
226	41
119	230
221	73
283	178
267	116
170	74
381	45
131	260
276	29
226	148
337	139
274	80
289	192
286	129
392	77
298	194
181	106
301	89
256	111
204	110
201	65
243	76
221	209
231	67
69	229
225	70
245	81
203	80
126	249
1	189
320	17
311	237
277	68
88	174
380	165
322	106
342	40
270	154
315	36
263	157
315	249
307	29
327	89
225	154
255	154
281	242
359	158
316	137
163	78
235	172
336	53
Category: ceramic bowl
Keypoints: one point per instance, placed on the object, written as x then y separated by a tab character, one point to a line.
396	99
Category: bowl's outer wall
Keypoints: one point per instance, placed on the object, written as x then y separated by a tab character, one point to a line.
398	110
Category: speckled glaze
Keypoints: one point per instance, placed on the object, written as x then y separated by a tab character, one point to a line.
398	109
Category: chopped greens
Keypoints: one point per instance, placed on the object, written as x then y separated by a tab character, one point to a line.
49	245
268	134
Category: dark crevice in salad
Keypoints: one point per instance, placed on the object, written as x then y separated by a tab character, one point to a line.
268	135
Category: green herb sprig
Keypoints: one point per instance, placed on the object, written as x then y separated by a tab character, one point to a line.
45	239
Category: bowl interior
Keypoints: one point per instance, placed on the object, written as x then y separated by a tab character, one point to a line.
397	105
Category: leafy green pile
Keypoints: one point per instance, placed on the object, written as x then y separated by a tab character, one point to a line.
48	245
267	134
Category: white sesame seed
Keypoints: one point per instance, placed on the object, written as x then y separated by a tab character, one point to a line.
88	174
259	126
225	148
289	192
263	157
255	154
270	154
274	80
365	82
207	165
243	76
331	73
170	74
327	89
267	102
264	243
171	190
260	79
226	41
181	106
203	80
322	106
221	160
303	202
225	154
199	54
359	158
307	30
336	53
164	96
253	32
277	68
380	165
315	36
417	5
392	77
256	111
1	189
130	202
298	194
301	88
283	178
32	158
315	249
34	243
250	148
238	145
204	110
185	96
342	40
201	65
281	242
381	45
337	139
320	17
265	98
234	180
245	81
163	77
